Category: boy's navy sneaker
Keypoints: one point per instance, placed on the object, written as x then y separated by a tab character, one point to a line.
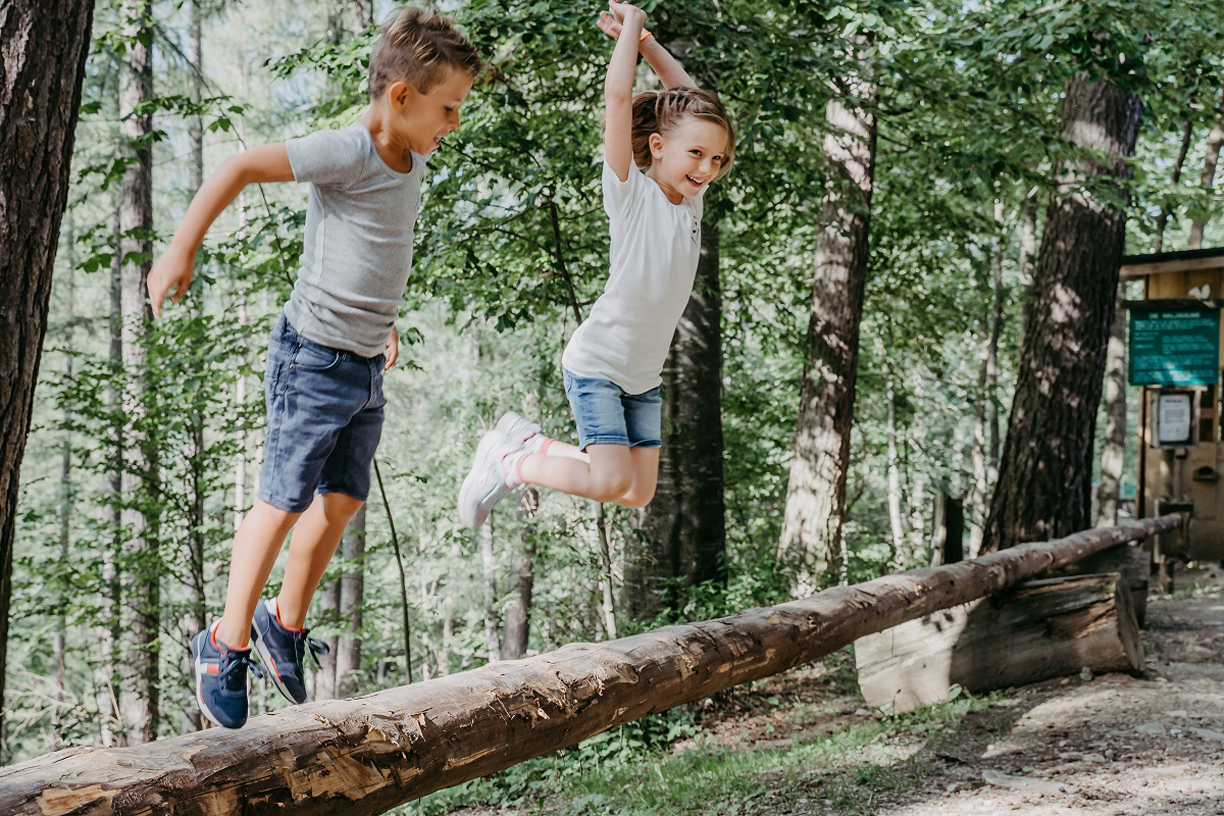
282	650
221	688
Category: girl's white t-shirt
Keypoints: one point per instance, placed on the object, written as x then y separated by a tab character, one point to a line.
653	262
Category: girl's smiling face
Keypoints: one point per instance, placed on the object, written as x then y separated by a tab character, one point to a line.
688	158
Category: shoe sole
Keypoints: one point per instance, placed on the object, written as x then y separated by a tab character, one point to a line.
487	443
199	673
265	657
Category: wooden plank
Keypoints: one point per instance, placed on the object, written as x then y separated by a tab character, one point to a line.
1045	628
369	754
1134	271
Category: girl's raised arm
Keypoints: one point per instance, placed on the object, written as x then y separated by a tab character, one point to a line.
669	70
618	89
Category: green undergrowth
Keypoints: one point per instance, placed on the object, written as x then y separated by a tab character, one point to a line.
636	770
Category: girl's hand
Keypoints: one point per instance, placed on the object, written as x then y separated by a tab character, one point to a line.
621	12
609	25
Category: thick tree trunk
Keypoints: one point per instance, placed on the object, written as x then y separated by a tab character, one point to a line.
1215	140
44	43
1113	456
367	755
1046	473
685	525
811	541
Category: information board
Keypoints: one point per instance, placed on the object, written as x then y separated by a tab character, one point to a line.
1174	346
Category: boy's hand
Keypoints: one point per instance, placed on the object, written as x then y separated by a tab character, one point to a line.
392	349
171	271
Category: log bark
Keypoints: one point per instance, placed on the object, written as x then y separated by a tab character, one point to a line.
1044	487
367	755
1047	628
44	45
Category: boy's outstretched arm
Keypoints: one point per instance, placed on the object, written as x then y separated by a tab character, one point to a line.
669	70
174	269
618	90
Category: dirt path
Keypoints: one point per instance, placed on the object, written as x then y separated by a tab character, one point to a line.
1108	746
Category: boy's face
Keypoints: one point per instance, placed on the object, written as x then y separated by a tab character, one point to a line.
423	119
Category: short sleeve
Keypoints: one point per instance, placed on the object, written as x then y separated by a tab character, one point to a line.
619	195
326	157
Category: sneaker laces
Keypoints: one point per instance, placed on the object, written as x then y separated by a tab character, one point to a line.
235	660
317	647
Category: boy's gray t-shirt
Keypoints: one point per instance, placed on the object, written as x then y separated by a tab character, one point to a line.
358	249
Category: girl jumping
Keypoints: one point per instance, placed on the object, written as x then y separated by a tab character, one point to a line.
662	151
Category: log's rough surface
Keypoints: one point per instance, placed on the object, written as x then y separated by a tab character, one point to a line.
1047	628
369	754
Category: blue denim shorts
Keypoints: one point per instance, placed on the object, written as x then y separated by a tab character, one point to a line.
325	417
606	415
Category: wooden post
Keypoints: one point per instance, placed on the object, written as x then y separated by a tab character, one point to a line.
367	755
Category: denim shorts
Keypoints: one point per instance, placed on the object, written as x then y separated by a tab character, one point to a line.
325	417
606	415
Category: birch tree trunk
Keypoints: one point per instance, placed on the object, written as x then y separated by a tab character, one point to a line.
44	43
1046	472
139	695
810	546
1113	456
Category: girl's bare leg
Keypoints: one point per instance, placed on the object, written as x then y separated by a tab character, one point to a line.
605	477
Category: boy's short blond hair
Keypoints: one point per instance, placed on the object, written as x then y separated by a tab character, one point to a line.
417	46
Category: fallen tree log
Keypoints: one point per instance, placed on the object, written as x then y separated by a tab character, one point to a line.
369	754
1052	627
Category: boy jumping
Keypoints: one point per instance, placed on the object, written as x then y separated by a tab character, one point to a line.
336	336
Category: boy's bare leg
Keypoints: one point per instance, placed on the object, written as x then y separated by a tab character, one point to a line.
256	545
314	541
605	478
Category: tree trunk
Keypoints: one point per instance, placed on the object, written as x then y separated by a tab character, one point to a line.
607	603
141	609
60	641
894	478
685	524
810	546
1113	457
1215	140
365	13
44	43
368	755
986	426
484	539
1028	263
347	657
1046	472
516	627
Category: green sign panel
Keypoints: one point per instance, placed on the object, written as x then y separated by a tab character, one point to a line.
1170	346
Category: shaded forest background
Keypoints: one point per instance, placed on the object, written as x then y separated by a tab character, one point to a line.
144	451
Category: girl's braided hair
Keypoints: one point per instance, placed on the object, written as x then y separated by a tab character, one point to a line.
417	46
662	111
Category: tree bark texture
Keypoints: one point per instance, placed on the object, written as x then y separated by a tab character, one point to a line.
685	524
367	755
1046	470
44	44
810	546
1211	157
139	691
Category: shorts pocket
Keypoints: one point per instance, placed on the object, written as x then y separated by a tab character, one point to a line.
313	357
